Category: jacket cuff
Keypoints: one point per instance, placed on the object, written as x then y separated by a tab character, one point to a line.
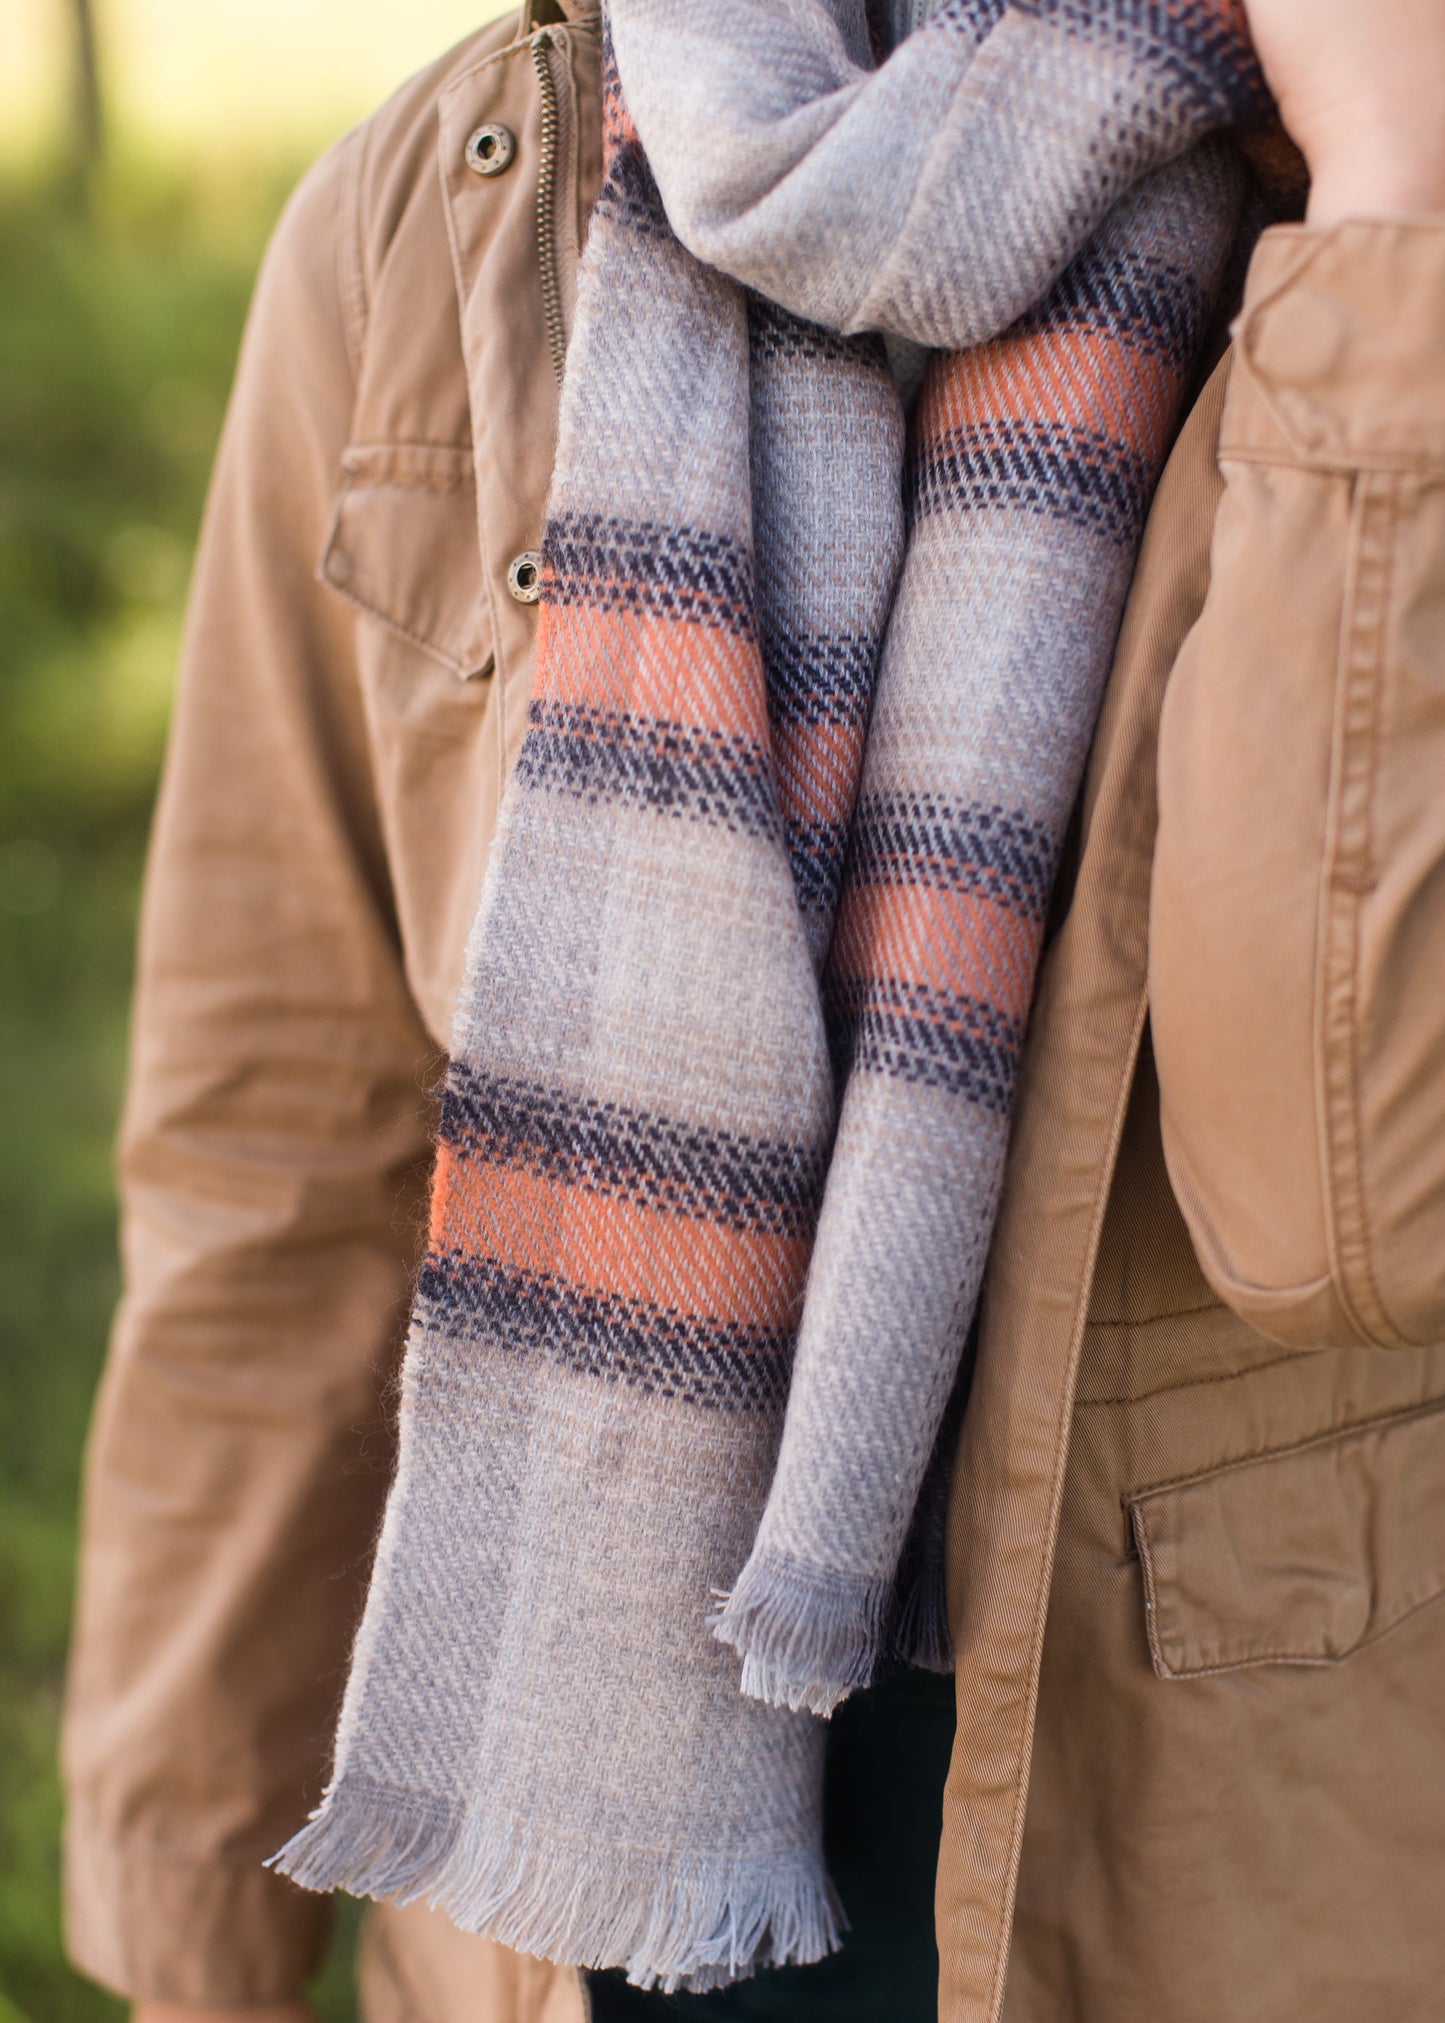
1339	359
159	1927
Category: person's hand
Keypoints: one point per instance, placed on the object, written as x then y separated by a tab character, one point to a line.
1361	90
182	2012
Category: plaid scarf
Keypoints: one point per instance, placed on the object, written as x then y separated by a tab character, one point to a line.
817	671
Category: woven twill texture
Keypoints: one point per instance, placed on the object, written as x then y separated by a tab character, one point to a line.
724	1129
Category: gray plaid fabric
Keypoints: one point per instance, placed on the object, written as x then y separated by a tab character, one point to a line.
732	1073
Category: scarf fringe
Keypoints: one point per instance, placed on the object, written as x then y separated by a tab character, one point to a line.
807	1639
921	1635
696	1924
369	1842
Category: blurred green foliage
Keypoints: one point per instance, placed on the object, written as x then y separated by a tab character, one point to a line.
117	340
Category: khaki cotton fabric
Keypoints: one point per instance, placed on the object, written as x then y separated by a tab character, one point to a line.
1241	1838
416	1967
1250	1847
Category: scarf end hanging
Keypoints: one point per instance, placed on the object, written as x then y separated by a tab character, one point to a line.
671	1922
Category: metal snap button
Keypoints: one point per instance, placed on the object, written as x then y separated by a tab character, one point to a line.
491	148
524	578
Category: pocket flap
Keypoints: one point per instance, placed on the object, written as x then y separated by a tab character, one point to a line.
403	545
1297	1557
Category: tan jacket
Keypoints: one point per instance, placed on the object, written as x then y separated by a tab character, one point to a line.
1198	1529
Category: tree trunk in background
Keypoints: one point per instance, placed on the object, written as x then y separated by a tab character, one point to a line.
89	117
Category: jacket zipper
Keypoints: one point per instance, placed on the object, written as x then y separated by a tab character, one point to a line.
546	208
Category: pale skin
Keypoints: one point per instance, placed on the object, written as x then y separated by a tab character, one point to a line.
1360	85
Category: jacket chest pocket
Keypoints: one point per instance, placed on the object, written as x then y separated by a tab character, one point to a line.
1298	1557
403	547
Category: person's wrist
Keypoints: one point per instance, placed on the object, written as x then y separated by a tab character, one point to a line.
1380	174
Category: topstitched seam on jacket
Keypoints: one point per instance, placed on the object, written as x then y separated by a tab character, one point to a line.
1301	455
1291	1657
1146	1569
1057	1463
1333	975
455	662
1169	1314
1349	1429
1352	1153
1199	1383
1386	495
393	458
1358	463
441	486
439	448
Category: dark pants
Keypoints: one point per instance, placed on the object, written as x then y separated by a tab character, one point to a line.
888	1755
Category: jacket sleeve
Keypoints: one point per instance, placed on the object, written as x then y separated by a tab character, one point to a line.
1297	964
272	1159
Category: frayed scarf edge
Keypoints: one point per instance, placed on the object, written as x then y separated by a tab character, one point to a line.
809	1638
698	1924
